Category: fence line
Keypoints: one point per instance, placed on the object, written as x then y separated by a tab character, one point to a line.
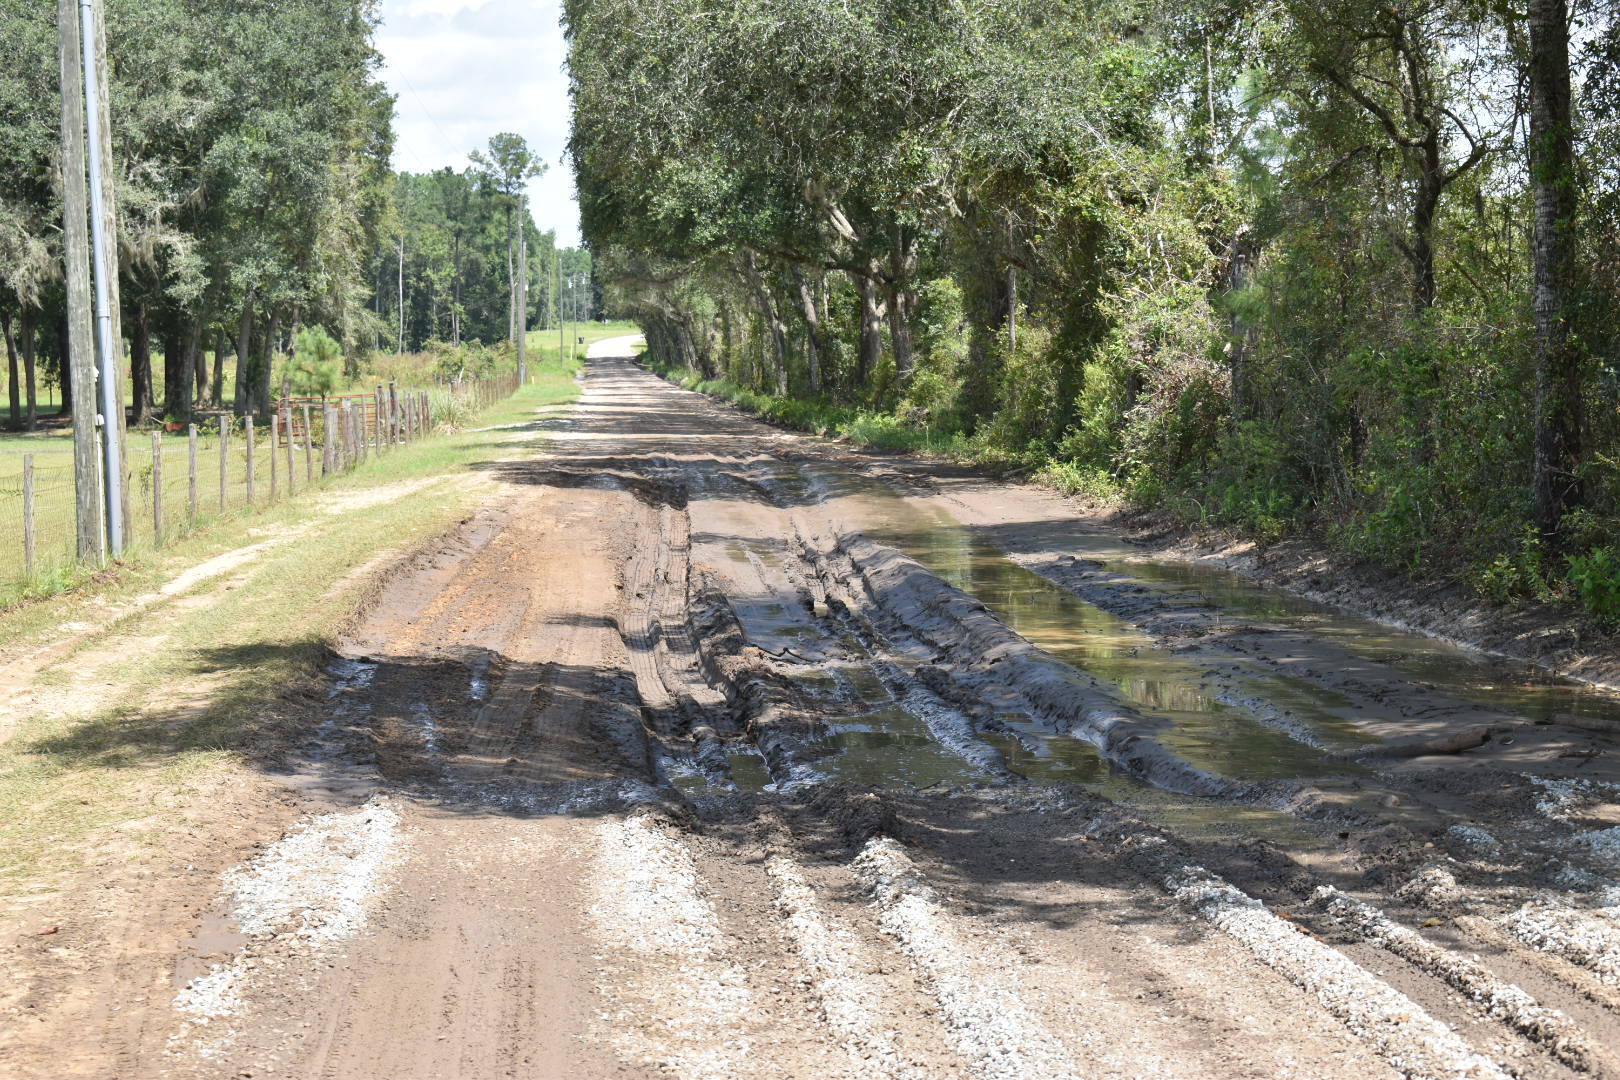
37	525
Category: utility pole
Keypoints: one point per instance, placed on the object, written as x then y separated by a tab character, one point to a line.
76	259
399	347
108	351
556	253
108	261
523	289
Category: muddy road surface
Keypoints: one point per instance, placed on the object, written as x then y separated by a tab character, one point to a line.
710	751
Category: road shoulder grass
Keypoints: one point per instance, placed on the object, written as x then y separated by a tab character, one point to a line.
144	703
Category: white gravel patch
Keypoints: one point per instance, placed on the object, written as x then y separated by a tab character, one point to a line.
1562	797
1414	1043
1588	938
1433	886
1604	844
315	883
1502	1000
837	964
682	1005
988	1022
310	890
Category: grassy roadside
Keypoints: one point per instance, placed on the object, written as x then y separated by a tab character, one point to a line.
53	446
158	704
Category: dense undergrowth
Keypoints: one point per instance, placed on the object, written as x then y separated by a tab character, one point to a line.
1238	485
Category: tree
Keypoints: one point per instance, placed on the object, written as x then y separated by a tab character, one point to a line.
507	168
316	366
1557	482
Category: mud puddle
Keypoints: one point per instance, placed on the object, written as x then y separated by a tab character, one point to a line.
1208	733
1502	684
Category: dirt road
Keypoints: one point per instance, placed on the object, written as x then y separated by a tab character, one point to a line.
710	751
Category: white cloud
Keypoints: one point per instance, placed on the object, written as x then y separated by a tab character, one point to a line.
463	70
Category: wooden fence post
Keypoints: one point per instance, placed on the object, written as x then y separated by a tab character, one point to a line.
247	427
287	444
393	414
378	422
157	489
309	450
191	465
275	452
28	514
224	459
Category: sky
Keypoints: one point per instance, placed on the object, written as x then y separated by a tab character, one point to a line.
463	70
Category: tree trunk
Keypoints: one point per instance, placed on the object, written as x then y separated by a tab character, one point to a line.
30	355
812	323
727	343
774	328
903	304
1422	247
266	366
180	373
211	374
140	364
11	360
1557	481
1012	308
216	395
175	366
873	311
1240	335
244	355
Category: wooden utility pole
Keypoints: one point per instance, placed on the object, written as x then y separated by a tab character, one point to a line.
523	290
107	260
557	258
104	255
76	256
400	345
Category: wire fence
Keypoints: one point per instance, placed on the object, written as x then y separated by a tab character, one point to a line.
183	476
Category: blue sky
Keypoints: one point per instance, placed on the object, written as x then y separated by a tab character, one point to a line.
463	70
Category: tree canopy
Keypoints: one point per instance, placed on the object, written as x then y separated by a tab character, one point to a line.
1273	263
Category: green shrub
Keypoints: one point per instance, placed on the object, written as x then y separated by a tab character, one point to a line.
1596	578
316	366
1517	575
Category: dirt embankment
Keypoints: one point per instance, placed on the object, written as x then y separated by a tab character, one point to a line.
706	751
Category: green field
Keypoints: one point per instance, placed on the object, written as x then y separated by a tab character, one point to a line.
54	484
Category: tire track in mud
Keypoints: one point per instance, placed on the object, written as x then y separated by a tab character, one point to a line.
667	590
817	600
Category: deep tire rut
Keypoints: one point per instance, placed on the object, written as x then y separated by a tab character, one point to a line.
705	779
